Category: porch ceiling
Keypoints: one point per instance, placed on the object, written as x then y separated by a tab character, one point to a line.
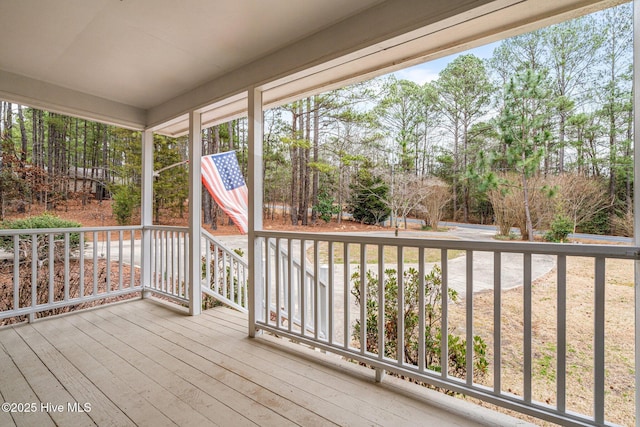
145	63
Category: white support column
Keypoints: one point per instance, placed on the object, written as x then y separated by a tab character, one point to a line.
195	213
636	192
255	205
146	216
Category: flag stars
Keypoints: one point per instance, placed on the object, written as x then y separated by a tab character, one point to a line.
229	170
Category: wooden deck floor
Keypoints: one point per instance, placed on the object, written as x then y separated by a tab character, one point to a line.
141	363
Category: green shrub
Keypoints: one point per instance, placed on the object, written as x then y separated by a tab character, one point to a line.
45	220
326	207
40	222
239	252
368	199
561	227
456	362
600	223
125	200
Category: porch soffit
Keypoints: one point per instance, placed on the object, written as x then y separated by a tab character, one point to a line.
146	63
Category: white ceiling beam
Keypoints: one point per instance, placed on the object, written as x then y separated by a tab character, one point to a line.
46	96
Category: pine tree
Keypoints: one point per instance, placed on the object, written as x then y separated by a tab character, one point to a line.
524	130
368	201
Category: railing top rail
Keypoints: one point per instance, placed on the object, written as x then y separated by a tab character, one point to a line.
568	249
167	228
13	232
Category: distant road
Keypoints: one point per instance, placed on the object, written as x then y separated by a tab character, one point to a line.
493	228
598	237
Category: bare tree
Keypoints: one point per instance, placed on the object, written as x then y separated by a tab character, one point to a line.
509	210
437	196
406	195
580	198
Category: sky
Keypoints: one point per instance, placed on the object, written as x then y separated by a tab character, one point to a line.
429	71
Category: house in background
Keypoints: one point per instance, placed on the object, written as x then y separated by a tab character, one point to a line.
177	67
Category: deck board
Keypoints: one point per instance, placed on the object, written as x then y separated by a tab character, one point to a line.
123	364
30	357
120	392
234	361
194	386
77	388
316	390
14	386
141	363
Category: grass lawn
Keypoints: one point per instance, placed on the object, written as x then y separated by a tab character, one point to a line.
410	255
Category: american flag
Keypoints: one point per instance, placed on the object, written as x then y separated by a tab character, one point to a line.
222	177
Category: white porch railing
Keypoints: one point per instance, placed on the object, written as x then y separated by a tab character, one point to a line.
282	293
226	277
52	269
225	274
169	255
301	285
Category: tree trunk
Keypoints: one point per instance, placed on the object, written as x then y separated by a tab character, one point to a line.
455	171
75	161
527	211
465	186
294	169
301	161
629	155
23	138
230	132
50	155
85	197
105	159
612	163
316	154
340	190
561	138
307	171
37	150
231	147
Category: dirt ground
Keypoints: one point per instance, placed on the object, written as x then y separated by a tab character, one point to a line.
619	328
619	338
98	214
